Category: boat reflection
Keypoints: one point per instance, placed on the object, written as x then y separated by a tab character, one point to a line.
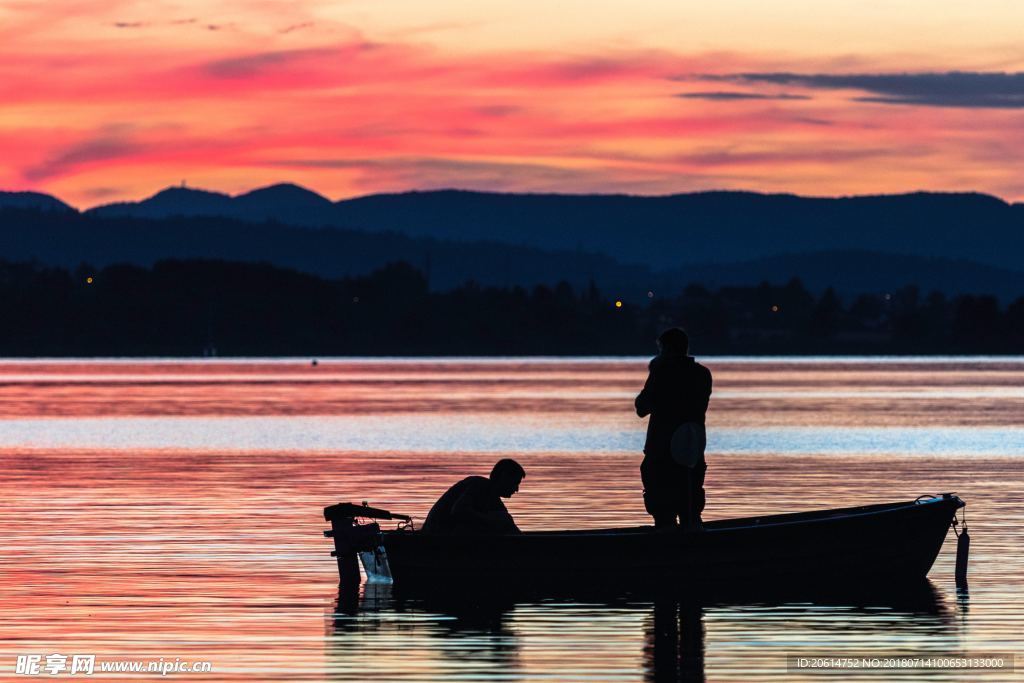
417	633
483	635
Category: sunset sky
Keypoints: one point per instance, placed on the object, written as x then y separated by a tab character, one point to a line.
102	100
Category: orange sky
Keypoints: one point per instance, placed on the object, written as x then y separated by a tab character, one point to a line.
114	99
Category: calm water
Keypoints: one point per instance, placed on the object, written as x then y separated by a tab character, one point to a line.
173	509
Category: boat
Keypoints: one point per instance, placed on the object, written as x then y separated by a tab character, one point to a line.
868	545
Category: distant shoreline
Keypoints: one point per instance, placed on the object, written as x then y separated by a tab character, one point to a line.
212	308
289	360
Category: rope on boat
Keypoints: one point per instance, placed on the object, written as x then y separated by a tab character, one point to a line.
963	539
963	548
962	523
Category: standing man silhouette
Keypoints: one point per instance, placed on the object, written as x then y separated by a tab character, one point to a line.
676	397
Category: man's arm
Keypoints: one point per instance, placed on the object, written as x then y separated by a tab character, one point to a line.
644	402
506	525
700	390
470	510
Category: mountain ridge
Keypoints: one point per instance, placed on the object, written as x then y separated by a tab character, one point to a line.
656	231
68	239
33	200
743	233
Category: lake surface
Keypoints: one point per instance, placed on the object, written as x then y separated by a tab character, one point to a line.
173	509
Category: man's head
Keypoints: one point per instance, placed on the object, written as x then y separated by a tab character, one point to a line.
506	476
674	341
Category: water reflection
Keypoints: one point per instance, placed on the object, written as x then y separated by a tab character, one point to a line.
193	528
472	634
674	641
482	633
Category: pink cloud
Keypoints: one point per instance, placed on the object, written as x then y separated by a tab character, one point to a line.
361	115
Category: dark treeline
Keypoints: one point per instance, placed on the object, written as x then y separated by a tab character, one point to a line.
186	308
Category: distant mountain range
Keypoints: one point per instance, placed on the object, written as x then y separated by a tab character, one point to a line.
33	200
659	232
951	242
285	203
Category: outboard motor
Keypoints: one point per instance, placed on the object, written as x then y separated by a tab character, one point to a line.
352	539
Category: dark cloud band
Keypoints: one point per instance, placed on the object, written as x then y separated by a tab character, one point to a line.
729	96
942	89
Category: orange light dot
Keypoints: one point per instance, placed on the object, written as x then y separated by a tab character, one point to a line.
618	304
88	280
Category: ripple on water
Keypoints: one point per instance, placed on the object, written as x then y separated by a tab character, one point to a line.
173	510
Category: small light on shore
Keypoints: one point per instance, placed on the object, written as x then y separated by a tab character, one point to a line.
775	308
618	303
88	280
650	294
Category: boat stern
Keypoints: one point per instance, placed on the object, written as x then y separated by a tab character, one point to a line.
356	540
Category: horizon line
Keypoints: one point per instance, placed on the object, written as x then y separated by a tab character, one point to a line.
552	193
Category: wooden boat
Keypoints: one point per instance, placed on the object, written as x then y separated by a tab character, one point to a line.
870	544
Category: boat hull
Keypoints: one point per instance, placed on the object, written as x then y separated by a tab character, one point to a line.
881	543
